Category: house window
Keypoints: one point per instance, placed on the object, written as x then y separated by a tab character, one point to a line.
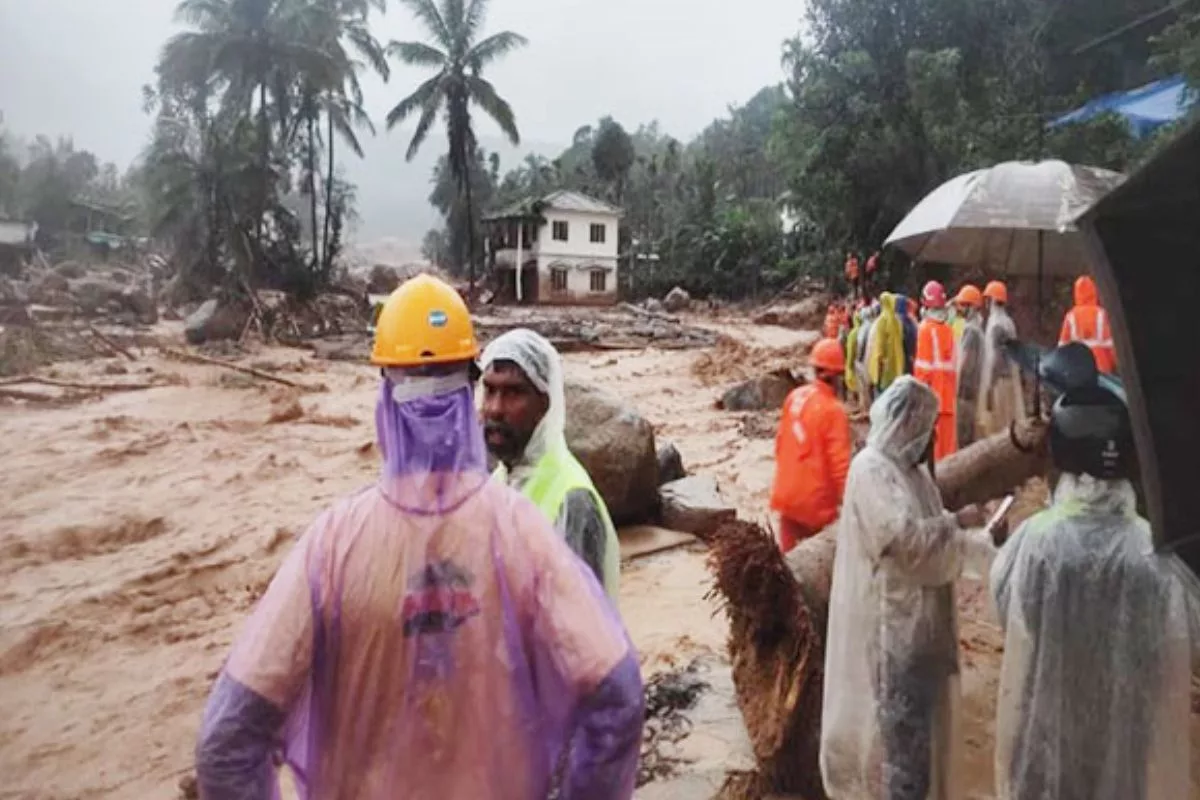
558	278
597	233
599	281
559	231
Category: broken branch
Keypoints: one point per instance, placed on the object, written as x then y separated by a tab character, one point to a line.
91	387
216	362
113	346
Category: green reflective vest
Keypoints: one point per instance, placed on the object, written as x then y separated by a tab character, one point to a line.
557	473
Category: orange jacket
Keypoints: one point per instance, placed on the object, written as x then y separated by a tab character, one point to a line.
812	457
936	365
835	318
852	269
1087	323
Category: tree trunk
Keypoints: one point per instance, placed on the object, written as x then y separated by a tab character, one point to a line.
778	612
470	209
326	256
264	161
312	187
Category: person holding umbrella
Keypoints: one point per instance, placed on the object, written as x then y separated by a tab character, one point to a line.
969	301
1001	389
936	366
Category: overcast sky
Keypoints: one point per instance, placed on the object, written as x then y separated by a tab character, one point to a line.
77	66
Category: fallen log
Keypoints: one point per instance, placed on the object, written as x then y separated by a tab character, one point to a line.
89	387
110	344
216	362
778	610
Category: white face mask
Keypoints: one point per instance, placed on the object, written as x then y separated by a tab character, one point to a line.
407	387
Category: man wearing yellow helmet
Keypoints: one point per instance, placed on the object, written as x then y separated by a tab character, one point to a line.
420	617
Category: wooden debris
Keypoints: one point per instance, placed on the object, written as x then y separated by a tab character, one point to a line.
257	373
87	387
110	344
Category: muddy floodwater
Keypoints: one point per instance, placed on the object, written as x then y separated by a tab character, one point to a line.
138	528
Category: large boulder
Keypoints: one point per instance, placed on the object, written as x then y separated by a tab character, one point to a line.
383	280
94	294
141	304
213	321
50	288
808	314
764	392
670	464
694	505
615	444
677	300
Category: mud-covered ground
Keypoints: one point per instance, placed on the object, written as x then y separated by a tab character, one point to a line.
137	528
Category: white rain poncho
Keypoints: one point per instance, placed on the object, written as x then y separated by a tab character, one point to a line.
547	473
1000	390
970	374
1100	640
891	663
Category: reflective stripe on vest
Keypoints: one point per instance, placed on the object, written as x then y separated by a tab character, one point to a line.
1102	339
939	364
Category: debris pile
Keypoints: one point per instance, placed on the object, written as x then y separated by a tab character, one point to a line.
807	314
623	327
667	695
731	360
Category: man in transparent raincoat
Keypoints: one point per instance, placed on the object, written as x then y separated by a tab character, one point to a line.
1001	392
888	727
525	420
431	636
1100	631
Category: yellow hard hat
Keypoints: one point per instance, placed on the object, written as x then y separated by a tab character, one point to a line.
424	321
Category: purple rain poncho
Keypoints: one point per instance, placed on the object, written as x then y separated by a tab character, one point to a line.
429	637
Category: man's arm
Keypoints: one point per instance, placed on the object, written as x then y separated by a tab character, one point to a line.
582	525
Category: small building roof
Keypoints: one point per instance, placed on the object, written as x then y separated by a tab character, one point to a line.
562	200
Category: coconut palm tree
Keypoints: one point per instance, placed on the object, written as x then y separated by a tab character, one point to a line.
248	49
459	55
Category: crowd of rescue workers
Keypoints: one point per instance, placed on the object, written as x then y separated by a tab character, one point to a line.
454	632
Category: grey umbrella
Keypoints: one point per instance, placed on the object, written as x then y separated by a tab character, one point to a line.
1016	218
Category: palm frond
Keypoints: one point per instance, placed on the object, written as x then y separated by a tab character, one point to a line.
473	17
203	13
483	94
426	94
417	54
426	12
370	49
494	47
346	131
428	115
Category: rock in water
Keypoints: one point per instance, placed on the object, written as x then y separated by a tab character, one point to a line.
764	392
670	464
677	300
615	444
694	505
213	321
383	280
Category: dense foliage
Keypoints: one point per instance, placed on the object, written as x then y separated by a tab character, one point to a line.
881	102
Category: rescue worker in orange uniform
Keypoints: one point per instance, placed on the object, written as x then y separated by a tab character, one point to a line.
872	267
936	366
812	451
852	273
1088	323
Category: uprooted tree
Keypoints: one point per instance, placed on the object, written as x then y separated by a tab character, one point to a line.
778	610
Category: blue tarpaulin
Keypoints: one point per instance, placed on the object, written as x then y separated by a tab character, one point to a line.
1145	108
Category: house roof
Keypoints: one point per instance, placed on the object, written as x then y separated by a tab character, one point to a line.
562	200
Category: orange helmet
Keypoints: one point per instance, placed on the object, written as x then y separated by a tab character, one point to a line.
969	295
423	322
827	356
997	291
